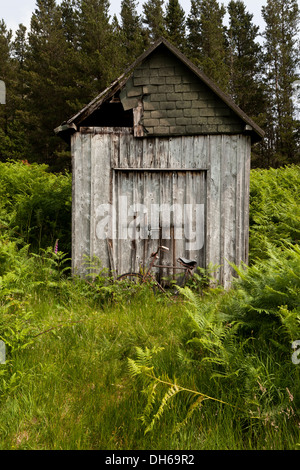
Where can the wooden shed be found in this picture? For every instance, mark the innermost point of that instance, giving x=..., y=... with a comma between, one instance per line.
x=162, y=156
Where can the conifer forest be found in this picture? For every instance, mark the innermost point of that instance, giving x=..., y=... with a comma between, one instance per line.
x=74, y=49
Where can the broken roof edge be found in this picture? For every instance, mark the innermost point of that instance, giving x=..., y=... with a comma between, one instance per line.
x=117, y=84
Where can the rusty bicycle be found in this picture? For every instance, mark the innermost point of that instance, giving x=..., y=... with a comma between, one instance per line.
x=186, y=265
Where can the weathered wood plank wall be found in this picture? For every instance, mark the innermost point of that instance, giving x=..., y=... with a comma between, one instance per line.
x=209, y=170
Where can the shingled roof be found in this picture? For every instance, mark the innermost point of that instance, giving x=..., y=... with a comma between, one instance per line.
x=72, y=124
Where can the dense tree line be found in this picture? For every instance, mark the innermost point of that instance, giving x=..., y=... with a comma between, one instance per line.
x=74, y=49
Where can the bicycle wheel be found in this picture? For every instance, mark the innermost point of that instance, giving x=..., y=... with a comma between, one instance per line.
x=130, y=279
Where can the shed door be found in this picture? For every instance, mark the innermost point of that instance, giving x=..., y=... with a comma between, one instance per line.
x=154, y=208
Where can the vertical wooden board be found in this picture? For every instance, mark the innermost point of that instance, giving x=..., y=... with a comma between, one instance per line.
x=165, y=198
x=146, y=197
x=233, y=146
x=134, y=149
x=200, y=228
x=76, y=152
x=137, y=218
x=122, y=202
x=247, y=145
x=125, y=190
x=187, y=160
x=115, y=151
x=86, y=195
x=190, y=195
x=204, y=201
x=240, y=159
x=121, y=232
x=151, y=201
x=81, y=203
x=138, y=246
x=175, y=148
x=187, y=201
x=137, y=149
x=178, y=200
x=228, y=213
x=124, y=149
x=149, y=150
x=176, y=221
x=201, y=152
x=213, y=241
x=191, y=200
x=101, y=207
x=223, y=195
x=162, y=153
x=207, y=255
x=93, y=185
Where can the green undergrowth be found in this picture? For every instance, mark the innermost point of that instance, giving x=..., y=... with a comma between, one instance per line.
x=89, y=365
x=274, y=209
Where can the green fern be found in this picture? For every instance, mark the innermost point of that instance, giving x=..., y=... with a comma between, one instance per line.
x=154, y=386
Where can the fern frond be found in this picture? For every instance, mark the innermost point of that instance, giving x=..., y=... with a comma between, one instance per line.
x=194, y=406
x=134, y=368
x=151, y=398
x=151, y=385
x=171, y=392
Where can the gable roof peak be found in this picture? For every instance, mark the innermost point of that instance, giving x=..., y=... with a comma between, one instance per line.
x=71, y=124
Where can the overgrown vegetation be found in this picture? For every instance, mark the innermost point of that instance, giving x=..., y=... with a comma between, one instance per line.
x=35, y=205
x=274, y=210
x=91, y=367
x=74, y=49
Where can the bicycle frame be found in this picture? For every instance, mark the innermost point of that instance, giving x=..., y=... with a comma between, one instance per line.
x=154, y=256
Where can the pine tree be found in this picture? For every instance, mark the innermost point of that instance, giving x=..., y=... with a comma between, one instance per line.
x=70, y=21
x=13, y=136
x=6, y=74
x=47, y=77
x=245, y=62
x=281, y=64
x=98, y=55
x=175, y=24
x=194, y=40
x=154, y=19
x=19, y=52
x=5, y=61
x=132, y=37
x=210, y=40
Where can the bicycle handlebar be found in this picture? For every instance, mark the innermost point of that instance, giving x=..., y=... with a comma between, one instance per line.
x=162, y=248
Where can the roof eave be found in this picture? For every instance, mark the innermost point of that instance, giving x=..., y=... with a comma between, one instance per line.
x=257, y=133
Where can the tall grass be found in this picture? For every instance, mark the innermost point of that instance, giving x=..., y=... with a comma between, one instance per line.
x=237, y=361
x=72, y=387
x=89, y=366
